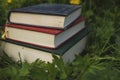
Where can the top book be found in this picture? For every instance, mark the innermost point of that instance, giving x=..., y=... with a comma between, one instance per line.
x=47, y=15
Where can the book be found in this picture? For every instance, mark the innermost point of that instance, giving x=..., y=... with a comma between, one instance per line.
x=45, y=37
x=30, y=53
x=46, y=15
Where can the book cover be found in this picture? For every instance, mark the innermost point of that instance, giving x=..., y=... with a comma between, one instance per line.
x=53, y=9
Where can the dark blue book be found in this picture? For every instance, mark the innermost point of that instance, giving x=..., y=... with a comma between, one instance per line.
x=46, y=15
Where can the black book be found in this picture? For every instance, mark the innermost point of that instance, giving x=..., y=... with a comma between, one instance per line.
x=46, y=15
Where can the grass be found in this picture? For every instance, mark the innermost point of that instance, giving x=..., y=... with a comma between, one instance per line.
x=102, y=55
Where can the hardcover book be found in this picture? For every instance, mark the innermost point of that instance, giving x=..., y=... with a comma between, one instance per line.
x=45, y=37
x=46, y=15
x=28, y=52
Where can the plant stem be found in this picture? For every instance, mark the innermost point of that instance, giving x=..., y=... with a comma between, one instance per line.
x=84, y=70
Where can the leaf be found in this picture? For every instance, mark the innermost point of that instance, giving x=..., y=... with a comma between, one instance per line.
x=24, y=71
x=89, y=13
x=52, y=71
x=98, y=67
x=63, y=69
x=37, y=73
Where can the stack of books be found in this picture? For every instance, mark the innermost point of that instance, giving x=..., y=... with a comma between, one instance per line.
x=40, y=31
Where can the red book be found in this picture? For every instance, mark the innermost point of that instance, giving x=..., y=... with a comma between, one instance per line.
x=44, y=37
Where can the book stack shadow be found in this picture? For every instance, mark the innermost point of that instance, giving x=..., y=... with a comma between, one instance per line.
x=44, y=30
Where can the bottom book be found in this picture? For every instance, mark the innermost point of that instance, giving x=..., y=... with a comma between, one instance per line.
x=30, y=53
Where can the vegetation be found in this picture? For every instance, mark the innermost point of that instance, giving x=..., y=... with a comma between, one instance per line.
x=100, y=60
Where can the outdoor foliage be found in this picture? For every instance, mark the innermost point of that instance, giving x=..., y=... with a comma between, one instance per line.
x=99, y=61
